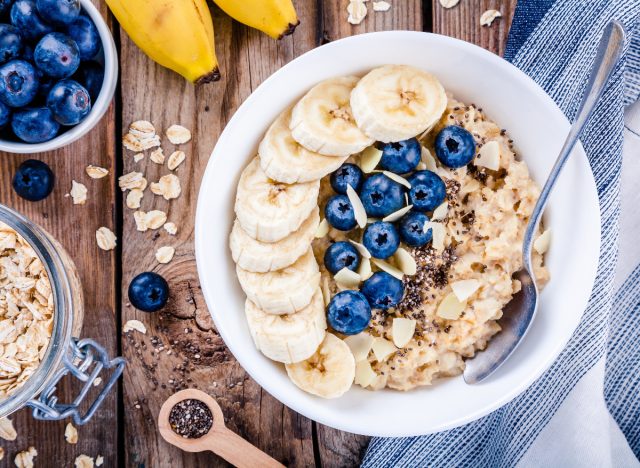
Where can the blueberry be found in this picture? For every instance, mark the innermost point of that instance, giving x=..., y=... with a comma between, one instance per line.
x=339, y=213
x=57, y=55
x=381, y=196
x=69, y=102
x=148, y=292
x=455, y=146
x=402, y=156
x=24, y=16
x=34, y=125
x=381, y=239
x=18, y=83
x=85, y=33
x=90, y=75
x=59, y=12
x=10, y=42
x=412, y=229
x=427, y=191
x=347, y=174
x=382, y=290
x=349, y=312
x=33, y=180
x=5, y=114
x=341, y=255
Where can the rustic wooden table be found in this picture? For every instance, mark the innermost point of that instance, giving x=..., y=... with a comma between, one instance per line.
x=124, y=429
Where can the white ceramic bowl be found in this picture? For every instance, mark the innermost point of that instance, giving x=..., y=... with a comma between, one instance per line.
x=538, y=127
x=99, y=107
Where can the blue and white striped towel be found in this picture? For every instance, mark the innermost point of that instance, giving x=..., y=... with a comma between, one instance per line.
x=585, y=410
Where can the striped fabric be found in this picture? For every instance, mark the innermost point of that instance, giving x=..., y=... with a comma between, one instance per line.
x=554, y=42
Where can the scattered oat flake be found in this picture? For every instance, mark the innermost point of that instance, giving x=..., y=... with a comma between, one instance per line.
x=71, y=434
x=488, y=16
x=175, y=159
x=381, y=6
x=78, y=193
x=357, y=11
x=1, y=453
x=157, y=156
x=7, y=431
x=141, y=136
x=154, y=219
x=132, y=180
x=105, y=238
x=25, y=459
x=177, y=134
x=138, y=157
x=142, y=128
x=140, y=218
x=136, y=325
x=133, y=198
x=99, y=460
x=96, y=172
x=84, y=461
x=165, y=254
x=449, y=3
x=171, y=228
x=168, y=187
x=97, y=381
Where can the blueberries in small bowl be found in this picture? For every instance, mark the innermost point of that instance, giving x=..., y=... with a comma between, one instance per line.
x=69, y=102
x=341, y=255
x=402, y=156
x=57, y=55
x=85, y=33
x=59, y=12
x=347, y=174
x=34, y=125
x=24, y=16
x=455, y=146
x=10, y=42
x=382, y=290
x=381, y=196
x=427, y=191
x=381, y=239
x=148, y=292
x=412, y=230
x=33, y=180
x=349, y=312
x=18, y=83
x=339, y=213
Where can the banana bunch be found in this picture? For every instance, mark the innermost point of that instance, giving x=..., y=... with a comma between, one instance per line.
x=178, y=34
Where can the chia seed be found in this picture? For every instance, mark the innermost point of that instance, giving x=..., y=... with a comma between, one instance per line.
x=190, y=418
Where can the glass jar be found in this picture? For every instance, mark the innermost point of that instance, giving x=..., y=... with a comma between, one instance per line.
x=66, y=353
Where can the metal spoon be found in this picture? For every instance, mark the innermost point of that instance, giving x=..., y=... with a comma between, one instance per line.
x=519, y=313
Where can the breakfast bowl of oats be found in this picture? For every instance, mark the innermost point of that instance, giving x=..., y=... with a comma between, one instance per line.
x=362, y=243
x=41, y=314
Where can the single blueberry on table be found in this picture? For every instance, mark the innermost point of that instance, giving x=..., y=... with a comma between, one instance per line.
x=148, y=292
x=10, y=42
x=427, y=191
x=57, y=55
x=69, y=102
x=349, y=312
x=58, y=12
x=34, y=125
x=5, y=114
x=401, y=156
x=455, y=146
x=412, y=229
x=18, y=83
x=381, y=239
x=382, y=290
x=90, y=75
x=339, y=213
x=381, y=196
x=33, y=180
x=347, y=174
x=341, y=255
x=85, y=33
x=24, y=16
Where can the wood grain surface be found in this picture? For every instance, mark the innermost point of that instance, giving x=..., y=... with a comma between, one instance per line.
x=181, y=348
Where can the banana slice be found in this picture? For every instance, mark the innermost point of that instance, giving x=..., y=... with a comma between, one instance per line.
x=268, y=210
x=288, y=338
x=322, y=120
x=259, y=257
x=329, y=373
x=283, y=159
x=396, y=102
x=284, y=291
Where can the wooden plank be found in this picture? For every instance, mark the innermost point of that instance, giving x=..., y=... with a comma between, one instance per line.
x=74, y=227
x=198, y=356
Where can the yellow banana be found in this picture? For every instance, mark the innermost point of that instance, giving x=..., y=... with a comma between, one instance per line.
x=277, y=18
x=177, y=34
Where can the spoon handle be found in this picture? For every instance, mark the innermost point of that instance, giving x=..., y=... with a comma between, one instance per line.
x=238, y=451
x=609, y=52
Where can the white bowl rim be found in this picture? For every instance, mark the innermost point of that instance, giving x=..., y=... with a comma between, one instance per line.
x=98, y=108
x=390, y=430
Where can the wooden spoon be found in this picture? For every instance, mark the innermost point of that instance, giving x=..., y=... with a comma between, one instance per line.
x=218, y=440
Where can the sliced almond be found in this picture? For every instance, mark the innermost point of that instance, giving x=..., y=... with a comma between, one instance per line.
x=364, y=270
x=347, y=278
x=360, y=345
x=133, y=199
x=381, y=6
x=541, y=244
x=78, y=193
x=358, y=207
x=323, y=229
x=440, y=212
x=382, y=348
x=384, y=266
x=396, y=178
x=488, y=17
x=157, y=156
x=405, y=261
x=165, y=254
x=464, y=289
x=175, y=159
x=177, y=134
x=136, y=325
x=362, y=250
x=71, y=434
x=402, y=330
x=489, y=156
x=96, y=172
x=450, y=308
x=105, y=238
x=395, y=216
x=428, y=160
x=171, y=228
x=365, y=375
x=369, y=159
x=438, y=234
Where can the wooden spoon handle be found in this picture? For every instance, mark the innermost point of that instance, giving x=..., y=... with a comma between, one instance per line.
x=238, y=451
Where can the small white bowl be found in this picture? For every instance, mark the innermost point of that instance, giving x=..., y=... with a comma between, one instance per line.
x=98, y=108
x=538, y=128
